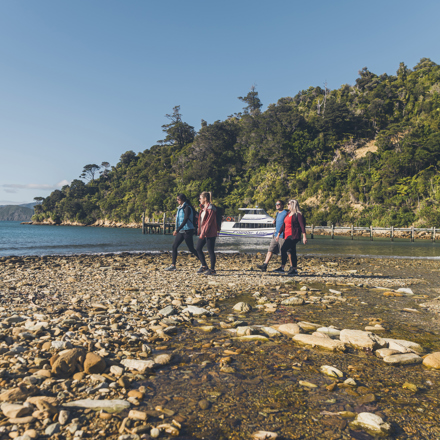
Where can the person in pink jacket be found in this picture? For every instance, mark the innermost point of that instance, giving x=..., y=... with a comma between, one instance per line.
x=208, y=232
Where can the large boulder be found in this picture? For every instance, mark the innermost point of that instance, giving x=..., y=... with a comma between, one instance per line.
x=68, y=362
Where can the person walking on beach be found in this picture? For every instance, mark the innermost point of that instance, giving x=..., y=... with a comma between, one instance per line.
x=185, y=228
x=294, y=225
x=275, y=245
x=209, y=229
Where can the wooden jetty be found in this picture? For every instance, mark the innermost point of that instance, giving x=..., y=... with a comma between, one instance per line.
x=166, y=226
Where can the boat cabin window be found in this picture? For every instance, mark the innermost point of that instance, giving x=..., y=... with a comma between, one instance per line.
x=252, y=225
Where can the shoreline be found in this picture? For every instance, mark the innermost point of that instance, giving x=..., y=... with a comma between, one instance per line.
x=381, y=233
x=116, y=347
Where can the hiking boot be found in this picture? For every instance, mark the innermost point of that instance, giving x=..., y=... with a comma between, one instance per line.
x=210, y=272
x=292, y=272
x=262, y=267
x=279, y=270
x=171, y=268
x=202, y=269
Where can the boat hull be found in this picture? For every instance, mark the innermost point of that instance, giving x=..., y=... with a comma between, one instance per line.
x=227, y=230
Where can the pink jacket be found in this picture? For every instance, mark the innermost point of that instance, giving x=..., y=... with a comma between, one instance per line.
x=208, y=226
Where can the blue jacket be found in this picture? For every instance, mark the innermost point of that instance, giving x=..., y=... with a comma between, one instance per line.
x=184, y=218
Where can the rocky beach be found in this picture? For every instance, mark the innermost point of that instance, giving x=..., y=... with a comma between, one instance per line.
x=95, y=346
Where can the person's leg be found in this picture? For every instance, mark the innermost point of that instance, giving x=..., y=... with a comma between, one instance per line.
x=293, y=257
x=284, y=248
x=200, y=243
x=177, y=242
x=268, y=257
x=211, y=245
x=189, y=235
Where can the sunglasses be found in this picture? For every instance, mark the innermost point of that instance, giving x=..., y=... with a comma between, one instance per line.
x=277, y=204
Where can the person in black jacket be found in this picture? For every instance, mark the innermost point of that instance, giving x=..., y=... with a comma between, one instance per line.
x=185, y=228
x=293, y=227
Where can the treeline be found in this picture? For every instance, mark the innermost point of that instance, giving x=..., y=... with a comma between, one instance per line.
x=363, y=154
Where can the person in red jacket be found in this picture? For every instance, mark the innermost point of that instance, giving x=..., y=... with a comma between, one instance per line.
x=208, y=232
x=293, y=227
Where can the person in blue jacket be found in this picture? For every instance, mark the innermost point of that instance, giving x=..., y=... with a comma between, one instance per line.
x=185, y=228
x=275, y=246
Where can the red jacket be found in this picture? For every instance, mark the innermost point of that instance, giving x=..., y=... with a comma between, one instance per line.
x=208, y=226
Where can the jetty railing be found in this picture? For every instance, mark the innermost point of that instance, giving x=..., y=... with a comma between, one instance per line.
x=166, y=225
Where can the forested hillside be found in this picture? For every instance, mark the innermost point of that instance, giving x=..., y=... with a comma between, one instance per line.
x=364, y=154
x=15, y=213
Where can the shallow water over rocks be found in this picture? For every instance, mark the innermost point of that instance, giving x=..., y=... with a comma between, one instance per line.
x=119, y=328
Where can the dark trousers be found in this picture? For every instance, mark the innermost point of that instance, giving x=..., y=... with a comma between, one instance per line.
x=210, y=242
x=188, y=237
x=289, y=245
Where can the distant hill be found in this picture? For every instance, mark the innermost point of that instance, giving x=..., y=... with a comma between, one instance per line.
x=29, y=205
x=15, y=213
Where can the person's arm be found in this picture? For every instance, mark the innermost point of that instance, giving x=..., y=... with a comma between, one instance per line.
x=303, y=227
x=187, y=213
x=280, y=232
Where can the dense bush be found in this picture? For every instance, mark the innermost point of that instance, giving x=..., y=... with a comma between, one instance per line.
x=306, y=146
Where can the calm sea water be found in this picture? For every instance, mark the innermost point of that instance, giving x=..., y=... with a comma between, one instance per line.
x=17, y=239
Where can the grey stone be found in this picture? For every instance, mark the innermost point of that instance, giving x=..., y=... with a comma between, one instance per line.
x=403, y=359
x=52, y=429
x=194, y=310
x=371, y=423
x=139, y=365
x=167, y=311
x=109, y=406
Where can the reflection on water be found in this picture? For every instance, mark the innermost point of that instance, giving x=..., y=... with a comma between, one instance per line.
x=16, y=239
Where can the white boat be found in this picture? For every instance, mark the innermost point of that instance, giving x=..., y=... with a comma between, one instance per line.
x=256, y=223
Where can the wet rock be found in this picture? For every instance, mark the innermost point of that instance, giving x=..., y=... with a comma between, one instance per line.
x=361, y=340
x=293, y=301
x=162, y=359
x=308, y=327
x=154, y=432
x=384, y=352
x=327, y=344
x=331, y=371
x=271, y=332
x=244, y=330
x=432, y=361
x=138, y=415
x=204, y=404
x=290, y=329
x=252, y=338
x=264, y=435
x=330, y=331
x=397, y=344
x=403, y=359
x=242, y=307
x=110, y=406
x=371, y=423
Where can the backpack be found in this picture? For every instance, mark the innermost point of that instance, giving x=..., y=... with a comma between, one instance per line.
x=195, y=218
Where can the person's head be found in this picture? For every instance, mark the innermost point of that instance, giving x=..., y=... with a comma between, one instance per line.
x=205, y=197
x=279, y=205
x=181, y=199
x=294, y=206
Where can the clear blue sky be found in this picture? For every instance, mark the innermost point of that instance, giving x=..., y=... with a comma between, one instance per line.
x=84, y=81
